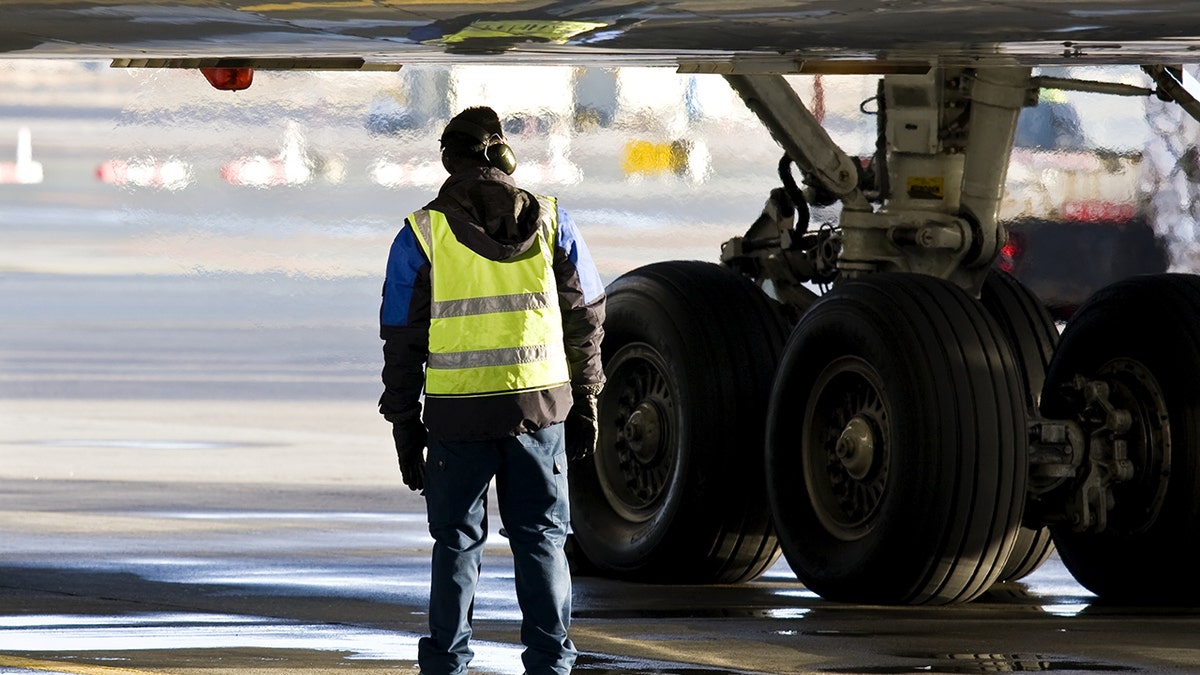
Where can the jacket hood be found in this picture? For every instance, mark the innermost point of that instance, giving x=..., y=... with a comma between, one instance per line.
x=488, y=213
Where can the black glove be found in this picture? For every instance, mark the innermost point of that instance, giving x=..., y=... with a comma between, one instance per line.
x=581, y=427
x=410, y=436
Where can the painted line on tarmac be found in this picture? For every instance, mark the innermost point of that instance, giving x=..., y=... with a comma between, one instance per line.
x=73, y=668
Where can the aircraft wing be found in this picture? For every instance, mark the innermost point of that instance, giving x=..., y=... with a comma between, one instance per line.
x=749, y=36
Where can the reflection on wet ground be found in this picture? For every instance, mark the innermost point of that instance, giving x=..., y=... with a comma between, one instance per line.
x=984, y=663
x=85, y=637
x=84, y=633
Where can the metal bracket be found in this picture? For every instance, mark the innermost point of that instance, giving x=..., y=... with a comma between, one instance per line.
x=1094, y=452
x=771, y=251
x=1056, y=452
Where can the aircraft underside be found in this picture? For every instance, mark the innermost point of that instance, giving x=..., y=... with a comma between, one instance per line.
x=918, y=433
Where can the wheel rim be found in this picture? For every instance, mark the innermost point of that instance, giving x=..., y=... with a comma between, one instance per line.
x=635, y=463
x=846, y=448
x=1135, y=389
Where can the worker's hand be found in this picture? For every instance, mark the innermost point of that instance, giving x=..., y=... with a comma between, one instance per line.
x=581, y=427
x=410, y=437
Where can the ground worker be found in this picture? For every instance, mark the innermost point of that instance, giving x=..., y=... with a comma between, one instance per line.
x=493, y=306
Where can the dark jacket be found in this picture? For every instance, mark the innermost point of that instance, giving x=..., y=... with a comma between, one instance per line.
x=497, y=220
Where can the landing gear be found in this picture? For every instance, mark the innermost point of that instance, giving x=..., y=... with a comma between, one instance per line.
x=674, y=490
x=917, y=441
x=1140, y=340
x=896, y=444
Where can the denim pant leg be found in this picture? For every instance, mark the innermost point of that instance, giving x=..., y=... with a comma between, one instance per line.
x=457, y=478
x=532, y=488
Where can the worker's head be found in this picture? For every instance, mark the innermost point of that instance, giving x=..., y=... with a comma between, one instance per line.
x=473, y=137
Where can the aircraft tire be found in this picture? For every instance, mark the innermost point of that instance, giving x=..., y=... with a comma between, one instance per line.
x=1033, y=337
x=917, y=387
x=1033, y=547
x=1142, y=336
x=674, y=492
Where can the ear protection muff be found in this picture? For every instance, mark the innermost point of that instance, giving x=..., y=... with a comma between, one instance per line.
x=494, y=149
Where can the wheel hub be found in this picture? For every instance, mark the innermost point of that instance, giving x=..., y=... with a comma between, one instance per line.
x=846, y=452
x=643, y=432
x=635, y=464
x=856, y=447
x=1139, y=500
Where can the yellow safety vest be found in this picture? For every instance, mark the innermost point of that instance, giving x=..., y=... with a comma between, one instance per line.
x=495, y=326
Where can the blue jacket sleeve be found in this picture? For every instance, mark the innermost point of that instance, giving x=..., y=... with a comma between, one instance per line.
x=404, y=326
x=581, y=300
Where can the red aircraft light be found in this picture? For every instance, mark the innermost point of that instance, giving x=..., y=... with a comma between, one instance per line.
x=1011, y=252
x=229, y=79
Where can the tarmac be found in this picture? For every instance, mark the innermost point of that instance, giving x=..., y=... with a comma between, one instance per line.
x=227, y=536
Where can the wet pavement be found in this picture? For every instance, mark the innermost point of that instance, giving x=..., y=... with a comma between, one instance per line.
x=234, y=537
x=193, y=479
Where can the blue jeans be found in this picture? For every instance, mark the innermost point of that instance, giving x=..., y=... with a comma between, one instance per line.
x=531, y=488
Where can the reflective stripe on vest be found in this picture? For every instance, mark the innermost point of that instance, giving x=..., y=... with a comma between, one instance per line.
x=495, y=326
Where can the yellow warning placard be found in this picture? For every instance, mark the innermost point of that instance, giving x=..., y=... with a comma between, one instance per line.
x=557, y=32
x=926, y=187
